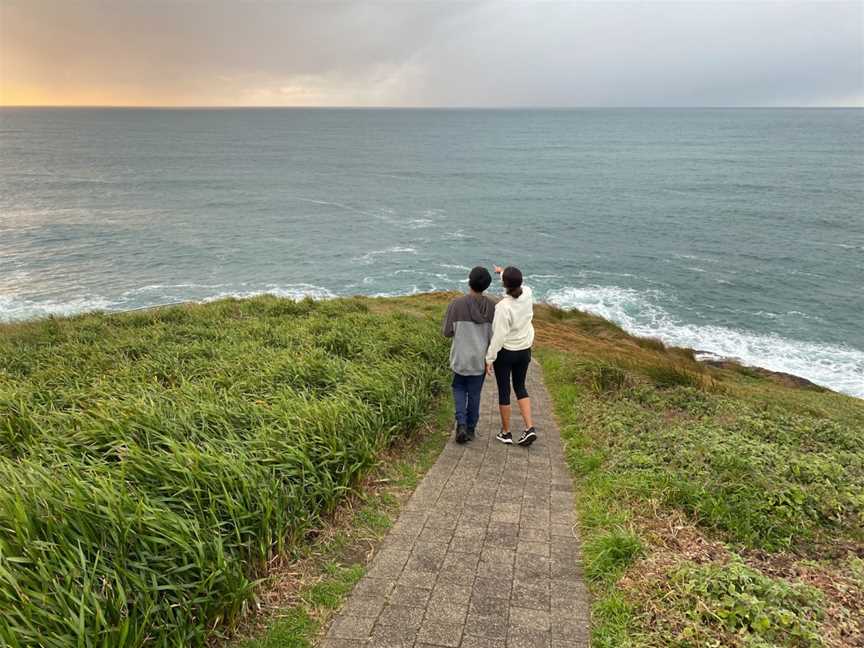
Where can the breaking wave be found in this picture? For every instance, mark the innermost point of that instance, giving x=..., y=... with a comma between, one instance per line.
x=640, y=312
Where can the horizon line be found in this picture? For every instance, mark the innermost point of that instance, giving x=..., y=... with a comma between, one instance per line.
x=384, y=107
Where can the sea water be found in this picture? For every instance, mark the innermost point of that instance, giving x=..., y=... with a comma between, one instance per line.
x=735, y=232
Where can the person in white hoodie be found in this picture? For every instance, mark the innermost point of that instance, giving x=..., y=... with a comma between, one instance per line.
x=509, y=352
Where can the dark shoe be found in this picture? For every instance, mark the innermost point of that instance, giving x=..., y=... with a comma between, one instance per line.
x=461, y=434
x=471, y=433
x=528, y=437
x=505, y=437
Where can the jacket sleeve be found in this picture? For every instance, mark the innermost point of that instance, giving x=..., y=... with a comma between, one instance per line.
x=500, y=326
x=448, y=329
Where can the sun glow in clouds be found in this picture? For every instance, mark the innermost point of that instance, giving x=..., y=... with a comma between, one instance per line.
x=198, y=53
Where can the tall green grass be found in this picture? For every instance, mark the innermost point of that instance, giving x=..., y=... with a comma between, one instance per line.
x=153, y=462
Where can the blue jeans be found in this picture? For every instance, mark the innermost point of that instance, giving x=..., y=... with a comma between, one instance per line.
x=466, y=396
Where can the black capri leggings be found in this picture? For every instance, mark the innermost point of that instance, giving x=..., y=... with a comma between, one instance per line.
x=515, y=362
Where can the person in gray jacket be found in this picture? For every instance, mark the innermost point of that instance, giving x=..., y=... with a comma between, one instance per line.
x=469, y=322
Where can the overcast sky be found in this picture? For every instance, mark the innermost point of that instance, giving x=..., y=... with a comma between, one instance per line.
x=492, y=53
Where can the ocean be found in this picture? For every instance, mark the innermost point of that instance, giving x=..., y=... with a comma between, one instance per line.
x=735, y=232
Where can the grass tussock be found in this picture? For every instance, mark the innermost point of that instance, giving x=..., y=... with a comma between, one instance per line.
x=302, y=595
x=719, y=506
x=154, y=462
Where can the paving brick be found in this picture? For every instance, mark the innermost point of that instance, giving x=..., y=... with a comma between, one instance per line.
x=351, y=627
x=440, y=634
x=433, y=535
x=410, y=596
x=413, y=578
x=388, y=563
x=461, y=560
x=450, y=592
x=374, y=587
x=401, y=543
x=493, y=569
x=558, y=529
x=392, y=636
x=401, y=615
x=479, y=642
x=524, y=638
x=489, y=627
x=538, y=548
x=363, y=606
x=442, y=521
x=343, y=643
x=489, y=607
x=424, y=563
x=447, y=611
x=502, y=529
x=529, y=534
x=532, y=565
x=581, y=642
x=529, y=618
x=531, y=595
x=492, y=587
x=568, y=629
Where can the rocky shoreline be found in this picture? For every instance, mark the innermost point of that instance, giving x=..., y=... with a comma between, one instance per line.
x=791, y=380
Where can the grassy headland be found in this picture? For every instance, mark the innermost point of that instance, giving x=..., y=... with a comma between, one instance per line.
x=154, y=462
x=718, y=506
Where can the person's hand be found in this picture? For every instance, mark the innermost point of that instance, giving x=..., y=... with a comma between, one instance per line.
x=488, y=369
x=498, y=269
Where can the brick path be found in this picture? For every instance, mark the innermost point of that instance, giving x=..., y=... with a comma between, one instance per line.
x=484, y=555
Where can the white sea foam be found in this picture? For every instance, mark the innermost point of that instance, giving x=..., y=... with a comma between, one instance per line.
x=414, y=290
x=169, y=288
x=788, y=314
x=422, y=273
x=16, y=308
x=457, y=235
x=419, y=223
x=639, y=312
x=290, y=291
x=693, y=257
x=328, y=203
x=369, y=257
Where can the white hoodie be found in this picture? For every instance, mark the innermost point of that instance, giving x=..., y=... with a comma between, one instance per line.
x=512, y=328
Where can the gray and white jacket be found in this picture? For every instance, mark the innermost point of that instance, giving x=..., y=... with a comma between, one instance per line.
x=469, y=322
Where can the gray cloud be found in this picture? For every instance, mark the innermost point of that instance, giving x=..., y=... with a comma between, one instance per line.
x=432, y=53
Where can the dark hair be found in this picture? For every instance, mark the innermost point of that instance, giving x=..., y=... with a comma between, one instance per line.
x=512, y=280
x=479, y=279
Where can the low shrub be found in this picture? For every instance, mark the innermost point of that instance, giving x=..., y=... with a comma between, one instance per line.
x=742, y=604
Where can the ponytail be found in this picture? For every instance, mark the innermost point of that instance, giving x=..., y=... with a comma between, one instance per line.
x=512, y=280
